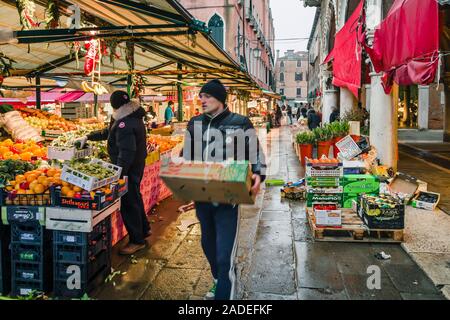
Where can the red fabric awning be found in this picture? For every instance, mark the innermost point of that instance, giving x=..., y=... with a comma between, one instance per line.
x=406, y=43
x=346, y=54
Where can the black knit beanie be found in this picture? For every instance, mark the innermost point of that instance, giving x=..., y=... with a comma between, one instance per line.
x=216, y=89
x=119, y=98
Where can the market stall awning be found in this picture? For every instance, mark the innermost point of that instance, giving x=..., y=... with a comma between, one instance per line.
x=406, y=43
x=346, y=54
x=89, y=98
x=169, y=43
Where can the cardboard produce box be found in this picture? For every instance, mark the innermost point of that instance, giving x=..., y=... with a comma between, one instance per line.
x=312, y=198
x=361, y=183
x=227, y=183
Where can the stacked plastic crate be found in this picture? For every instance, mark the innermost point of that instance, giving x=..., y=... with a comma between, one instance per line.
x=5, y=260
x=31, y=253
x=82, y=260
x=324, y=190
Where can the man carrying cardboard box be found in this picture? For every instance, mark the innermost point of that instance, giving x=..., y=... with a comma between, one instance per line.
x=218, y=135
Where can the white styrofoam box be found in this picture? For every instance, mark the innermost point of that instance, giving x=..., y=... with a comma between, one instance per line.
x=66, y=219
x=89, y=183
x=61, y=153
x=339, y=189
x=331, y=218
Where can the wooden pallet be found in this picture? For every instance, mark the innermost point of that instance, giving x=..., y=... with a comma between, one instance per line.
x=352, y=230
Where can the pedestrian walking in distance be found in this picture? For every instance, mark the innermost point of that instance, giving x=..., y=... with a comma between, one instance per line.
x=220, y=222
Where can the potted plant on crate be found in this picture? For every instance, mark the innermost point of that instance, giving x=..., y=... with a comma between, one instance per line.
x=340, y=130
x=324, y=140
x=305, y=141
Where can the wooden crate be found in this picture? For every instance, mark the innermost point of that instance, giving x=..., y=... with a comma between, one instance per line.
x=352, y=230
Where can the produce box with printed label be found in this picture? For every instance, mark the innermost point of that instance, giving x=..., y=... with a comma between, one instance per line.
x=312, y=198
x=210, y=182
x=382, y=212
x=361, y=183
x=350, y=197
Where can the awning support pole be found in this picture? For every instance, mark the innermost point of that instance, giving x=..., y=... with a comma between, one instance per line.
x=38, y=91
x=180, y=94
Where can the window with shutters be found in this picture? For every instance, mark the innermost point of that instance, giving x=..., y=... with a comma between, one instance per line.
x=281, y=77
x=298, y=76
x=299, y=92
x=216, y=26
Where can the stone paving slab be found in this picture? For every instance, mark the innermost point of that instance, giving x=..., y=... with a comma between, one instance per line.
x=273, y=268
x=437, y=266
x=446, y=291
x=133, y=284
x=270, y=296
x=276, y=215
x=356, y=288
x=410, y=279
x=301, y=230
x=316, y=266
x=321, y=294
x=173, y=284
x=421, y=296
x=427, y=231
x=188, y=255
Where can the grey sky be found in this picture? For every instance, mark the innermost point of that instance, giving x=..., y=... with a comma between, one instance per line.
x=291, y=20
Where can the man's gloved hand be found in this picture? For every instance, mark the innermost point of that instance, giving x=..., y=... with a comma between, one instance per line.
x=80, y=142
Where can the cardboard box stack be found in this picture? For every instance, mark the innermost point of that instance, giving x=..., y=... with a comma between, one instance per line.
x=324, y=179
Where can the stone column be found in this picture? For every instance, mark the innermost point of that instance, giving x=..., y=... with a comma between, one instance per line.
x=424, y=106
x=347, y=102
x=382, y=120
x=382, y=123
x=329, y=101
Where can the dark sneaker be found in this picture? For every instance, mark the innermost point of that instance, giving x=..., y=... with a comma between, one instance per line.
x=211, y=294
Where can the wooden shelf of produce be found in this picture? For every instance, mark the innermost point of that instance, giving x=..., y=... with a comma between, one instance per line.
x=352, y=230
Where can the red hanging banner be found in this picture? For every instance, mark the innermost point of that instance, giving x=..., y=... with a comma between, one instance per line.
x=346, y=54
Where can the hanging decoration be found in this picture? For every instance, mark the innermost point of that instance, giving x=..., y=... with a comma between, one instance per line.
x=112, y=45
x=26, y=9
x=52, y=14
x=138, y=83
x=92, y=66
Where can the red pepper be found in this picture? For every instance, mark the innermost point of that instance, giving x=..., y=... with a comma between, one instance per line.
x=14, y=150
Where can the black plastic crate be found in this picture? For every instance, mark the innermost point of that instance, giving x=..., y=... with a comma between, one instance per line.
x=23, y=214
x=24, y=288
x=91, y=275
x=82, y=238
x=28, y=271
x=376, y=216
x=99, y=202
x=5, y=260
x=29, y=233
x=393, y=220
x=27, y=253
x=80, y=254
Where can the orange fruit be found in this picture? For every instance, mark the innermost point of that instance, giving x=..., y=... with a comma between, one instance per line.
x=9, y=188
x=20, y=178
x=29, y=192
x=77, y=189
x=15, y=157
x=20, y=191
x=70, y=194
x=42, y=180
x=38, y=188
x=65, y=184
x=31, y=177
x=65, y=190
x=51, y=172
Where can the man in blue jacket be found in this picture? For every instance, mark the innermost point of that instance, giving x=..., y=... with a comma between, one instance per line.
x=168, y=114
x=214, y=136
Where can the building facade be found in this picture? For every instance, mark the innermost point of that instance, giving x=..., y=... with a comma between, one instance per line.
x=291, y=76
x=244, y=29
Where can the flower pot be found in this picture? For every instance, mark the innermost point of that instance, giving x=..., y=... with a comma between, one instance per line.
x=306, y=150
x=323, y=148
x=335, y=149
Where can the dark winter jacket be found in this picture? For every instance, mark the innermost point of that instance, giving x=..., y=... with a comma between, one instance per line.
x=127, y=139
x=224, y=133
x=334, y=116
x=313, y=120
